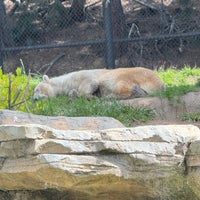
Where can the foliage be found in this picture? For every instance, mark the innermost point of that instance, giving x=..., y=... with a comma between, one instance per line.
x=15, y=90
x=191, y=117
x=184, y=76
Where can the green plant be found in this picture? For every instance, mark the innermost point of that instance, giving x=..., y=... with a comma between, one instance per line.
x=15, y=90
x=184, y=76
x=195, y=117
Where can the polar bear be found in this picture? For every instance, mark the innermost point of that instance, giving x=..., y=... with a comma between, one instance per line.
x=118, y=83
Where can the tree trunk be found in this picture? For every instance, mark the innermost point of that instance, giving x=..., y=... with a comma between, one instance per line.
x=2, y=21
x=77, y=10
x=5, y=39
x=119, y=27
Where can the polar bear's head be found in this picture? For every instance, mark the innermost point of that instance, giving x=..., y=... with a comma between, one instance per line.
x=44, y=89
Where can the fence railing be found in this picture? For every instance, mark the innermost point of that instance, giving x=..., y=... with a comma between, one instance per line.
x=117, y=33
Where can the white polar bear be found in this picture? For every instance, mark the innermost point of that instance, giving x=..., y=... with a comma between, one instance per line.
x=119, y=83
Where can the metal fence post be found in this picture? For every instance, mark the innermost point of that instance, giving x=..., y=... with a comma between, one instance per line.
x=1, y=50
x=107, y=14
x=1, y=57
x=2, y=18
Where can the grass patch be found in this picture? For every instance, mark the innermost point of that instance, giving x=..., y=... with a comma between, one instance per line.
x=179, y=82
x=194, y=117
x=63, y=106
x=185, y=76
x=176, y=91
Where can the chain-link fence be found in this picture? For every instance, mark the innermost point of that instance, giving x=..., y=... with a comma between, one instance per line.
x=57, y=36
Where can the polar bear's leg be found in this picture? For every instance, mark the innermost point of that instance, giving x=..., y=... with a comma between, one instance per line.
x=124, y=90
x=119, y=90
x=88, y=87
x=73, y=94
x=137, y=91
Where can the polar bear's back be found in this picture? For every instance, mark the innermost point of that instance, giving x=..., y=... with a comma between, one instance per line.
x=122, y=81
x=78, y=76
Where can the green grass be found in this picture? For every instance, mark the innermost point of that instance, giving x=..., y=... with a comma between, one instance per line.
x=194, y=117
x=186, y=76
x=63, y=106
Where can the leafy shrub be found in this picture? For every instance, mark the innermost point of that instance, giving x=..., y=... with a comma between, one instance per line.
x=15, y=90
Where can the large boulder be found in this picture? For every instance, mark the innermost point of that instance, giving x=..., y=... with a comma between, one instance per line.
x=166, y=109
x=147, y=162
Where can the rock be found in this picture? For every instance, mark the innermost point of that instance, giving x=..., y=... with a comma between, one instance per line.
x=62, y=123
x=190, y=102
x=192, y=157
x=147, y=162
x=166, y=109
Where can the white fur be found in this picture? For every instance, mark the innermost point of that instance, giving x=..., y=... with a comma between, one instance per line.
x=80, y=83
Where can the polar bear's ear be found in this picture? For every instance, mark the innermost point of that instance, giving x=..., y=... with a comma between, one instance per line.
x=45, y=78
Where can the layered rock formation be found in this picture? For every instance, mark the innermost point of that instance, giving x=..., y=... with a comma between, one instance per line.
x=147, y=162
